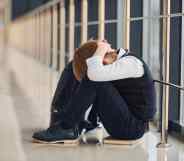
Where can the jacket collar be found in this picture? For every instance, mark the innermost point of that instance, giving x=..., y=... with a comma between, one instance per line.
x=121, y=52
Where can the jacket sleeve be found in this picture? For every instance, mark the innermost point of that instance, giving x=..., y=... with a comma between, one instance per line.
x=126, y=67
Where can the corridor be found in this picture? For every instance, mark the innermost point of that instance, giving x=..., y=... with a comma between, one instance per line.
x=26, y=90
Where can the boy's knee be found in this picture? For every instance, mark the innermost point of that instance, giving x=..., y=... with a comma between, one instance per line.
x=105, y=88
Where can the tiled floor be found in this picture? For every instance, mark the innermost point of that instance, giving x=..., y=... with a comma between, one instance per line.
x=26, y=88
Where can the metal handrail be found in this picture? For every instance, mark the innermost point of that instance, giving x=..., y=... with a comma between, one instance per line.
x=38, y=9
x=169, y=84
x=164, y=130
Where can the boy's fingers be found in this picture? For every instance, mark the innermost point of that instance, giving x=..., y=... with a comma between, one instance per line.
x=105, y=45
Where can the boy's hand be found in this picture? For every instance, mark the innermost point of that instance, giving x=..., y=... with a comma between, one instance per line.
x=102, y=49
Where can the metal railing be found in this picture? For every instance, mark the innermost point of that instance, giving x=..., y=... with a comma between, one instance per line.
x=164, y=125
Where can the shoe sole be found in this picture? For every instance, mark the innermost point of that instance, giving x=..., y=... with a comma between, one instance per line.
x=112, y=141
x=62, y=142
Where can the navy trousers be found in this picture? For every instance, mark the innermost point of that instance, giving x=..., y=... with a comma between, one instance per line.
x=108, y=104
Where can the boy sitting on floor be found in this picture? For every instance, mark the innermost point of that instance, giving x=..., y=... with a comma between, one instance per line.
x=116, y=83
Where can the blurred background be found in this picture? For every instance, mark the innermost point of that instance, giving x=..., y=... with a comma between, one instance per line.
x=46, y=32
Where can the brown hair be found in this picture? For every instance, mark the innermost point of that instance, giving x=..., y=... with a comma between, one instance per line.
x=81, y=54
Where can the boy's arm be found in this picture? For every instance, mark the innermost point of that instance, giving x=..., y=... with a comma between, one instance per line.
x=127, y=67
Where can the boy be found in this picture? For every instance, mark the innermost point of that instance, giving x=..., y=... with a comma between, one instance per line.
x=118, y=85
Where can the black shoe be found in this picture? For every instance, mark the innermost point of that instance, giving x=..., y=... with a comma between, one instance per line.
x=56, y=134
x=87, y=125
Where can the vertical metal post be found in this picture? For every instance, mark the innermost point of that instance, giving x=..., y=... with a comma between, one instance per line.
x=39, y=40
x=51, y=37
x=62, y=35
x=41, y=37
x=36, y=36
x=126, y=26
x=48, y=36
x=7, y=19
x=120, y=23
x=71, y=28
x=166, y=57
x=84, y=24
x=44, y=37
x=55, y=36
x=101, y=11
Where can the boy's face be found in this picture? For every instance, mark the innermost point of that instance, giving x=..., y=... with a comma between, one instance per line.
x=110, y=57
